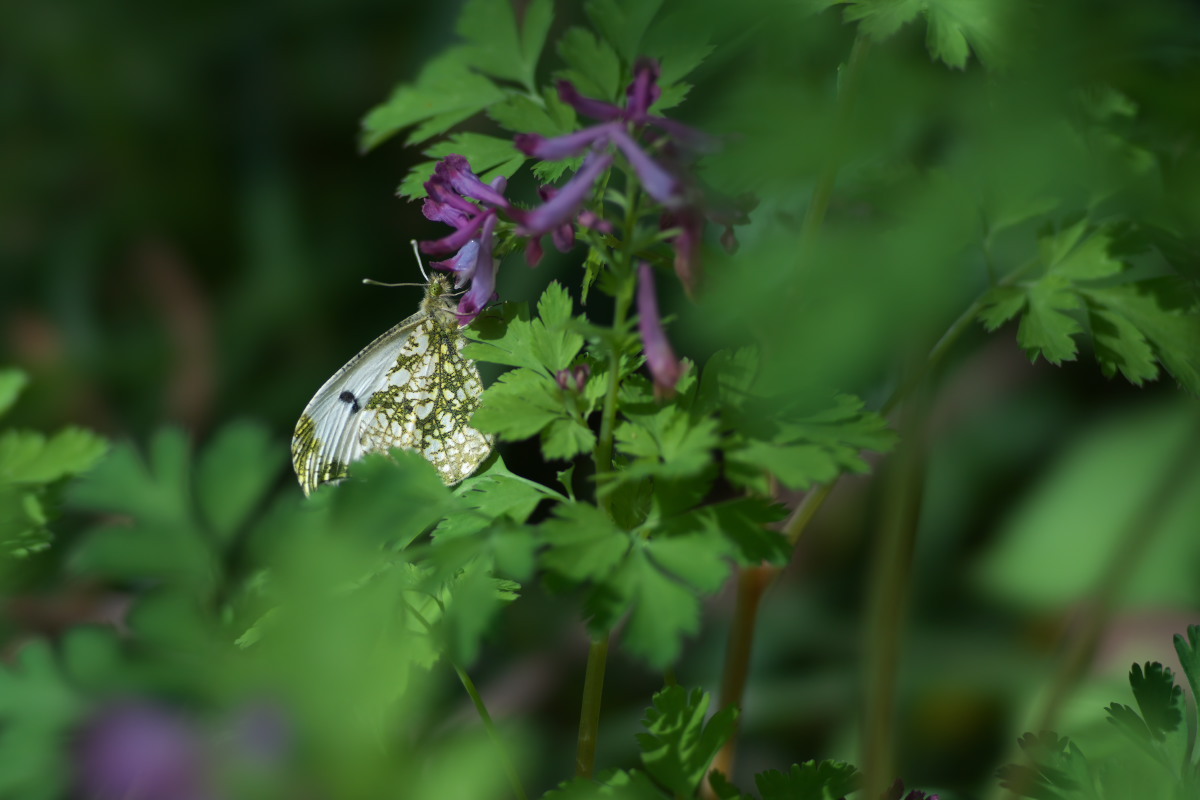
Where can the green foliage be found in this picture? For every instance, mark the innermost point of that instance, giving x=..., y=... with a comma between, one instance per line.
x=33, y=470
x=1134, y=325
x=679, y=744
x=1058, y=770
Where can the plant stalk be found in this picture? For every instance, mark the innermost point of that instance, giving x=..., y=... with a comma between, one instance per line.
x=589, y=714
x=510, y=770
x=891, y=570
x=593, y=679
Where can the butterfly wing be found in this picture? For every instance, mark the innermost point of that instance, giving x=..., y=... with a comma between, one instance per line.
x=329, y=434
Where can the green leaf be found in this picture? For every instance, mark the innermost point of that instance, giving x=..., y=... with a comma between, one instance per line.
x=235, y=474
x=1174, y=333
x=957, y=27
x=1088, y=260
x=668, y=444
x=723, y=789
x=582, y=543
x=523, y=114
x=880, y=19
x=593, y=65
x=164, y=540
x=1131, y=725
x=12, y=383
x=547, y=344
x=1000, y=305
x=567, y=437
x=1158, y=698
x=488, y=156
x=808, y=781
x=631, y=785
x=38, y=708
x=446, y=92
x=497, y=47
x=679, y=744
x=743, y=523
x=1047, y=329
x=662, y=610
x=27, y=457
x=814, y=448
x=623, y=23
x=1189, y=657
x=1057, y=765
x=1119, y=345
x=518, y=405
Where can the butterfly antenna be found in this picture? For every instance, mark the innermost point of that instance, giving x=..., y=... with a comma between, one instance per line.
x=417, y=253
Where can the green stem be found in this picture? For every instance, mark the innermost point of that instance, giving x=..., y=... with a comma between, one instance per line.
x=509, y=769
x=589, y=713
x=480, y=708
x=593, y=679
x=847, y=95
x=891, y=568
x=750, y=591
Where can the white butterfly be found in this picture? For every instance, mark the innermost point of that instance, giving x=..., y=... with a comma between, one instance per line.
x=410, y=388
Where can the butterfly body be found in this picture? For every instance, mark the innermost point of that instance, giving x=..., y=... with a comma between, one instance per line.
x=410, y=388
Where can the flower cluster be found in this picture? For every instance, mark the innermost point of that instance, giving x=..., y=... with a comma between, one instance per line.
x=657, y=149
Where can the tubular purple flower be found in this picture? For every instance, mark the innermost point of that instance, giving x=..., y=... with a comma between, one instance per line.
x=483, y=282
x=589, y=107
x=462, y=264
x=567, y=146
x=533, y=251
x=458, y=239
x=446, y=203
x=643, y=92
x=455, y=171
x=564, y=205
x=589, y=219
x=658, y=183
x=665, y=368
x=687, y=246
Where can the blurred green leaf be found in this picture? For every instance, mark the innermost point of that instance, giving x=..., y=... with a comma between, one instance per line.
x=12, y=382
x=811, y=780
x=1056, y=541
x=37, y=710
x=623, y=23
x=233, y=475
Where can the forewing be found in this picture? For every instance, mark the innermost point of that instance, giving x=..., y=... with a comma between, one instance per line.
x=329, y=433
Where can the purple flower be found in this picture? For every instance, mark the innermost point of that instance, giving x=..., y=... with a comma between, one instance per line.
x=896, y=792
x=475, y=227
x=614, y=129
x=138, y=751
x=565, y=202
x=572, y=379
x=665, y=368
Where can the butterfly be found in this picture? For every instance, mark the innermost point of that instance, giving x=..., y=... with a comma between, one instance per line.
x=411, y=388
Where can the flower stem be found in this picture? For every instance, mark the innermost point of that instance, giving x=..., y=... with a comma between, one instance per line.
x=589, y=713
x=891, y=568
x=593, y=679
x=510, y=770
x=750, y=591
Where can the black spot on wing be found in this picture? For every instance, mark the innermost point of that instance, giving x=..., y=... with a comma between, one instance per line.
x=348, y=397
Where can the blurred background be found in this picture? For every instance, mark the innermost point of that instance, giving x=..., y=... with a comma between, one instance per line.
x=185, y=220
